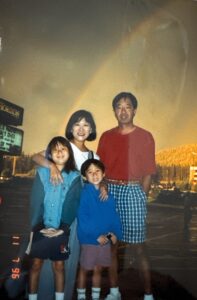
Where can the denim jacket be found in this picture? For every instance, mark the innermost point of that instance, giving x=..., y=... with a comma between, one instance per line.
x=54, y=205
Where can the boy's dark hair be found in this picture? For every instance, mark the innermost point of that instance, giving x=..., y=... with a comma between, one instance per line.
x=70, y=163
x=124, y=95
x=93, y=161
x=77, y=117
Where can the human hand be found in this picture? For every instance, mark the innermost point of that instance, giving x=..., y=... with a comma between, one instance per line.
x=102, y=239
x=112, y=237
x=103, y=191
x=55, y=175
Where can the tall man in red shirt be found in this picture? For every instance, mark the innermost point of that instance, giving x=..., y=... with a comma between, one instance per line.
x=128, y=153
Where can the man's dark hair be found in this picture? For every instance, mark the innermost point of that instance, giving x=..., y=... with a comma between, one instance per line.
x=93, y=161
x=124, y=95
x=77, y=116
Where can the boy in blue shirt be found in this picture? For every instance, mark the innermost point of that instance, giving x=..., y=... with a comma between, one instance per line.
x=98, y=226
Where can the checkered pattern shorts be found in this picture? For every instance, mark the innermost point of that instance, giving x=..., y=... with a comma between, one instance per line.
x=131, y=206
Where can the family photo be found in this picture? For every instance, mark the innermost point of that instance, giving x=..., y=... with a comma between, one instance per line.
x=98, y=150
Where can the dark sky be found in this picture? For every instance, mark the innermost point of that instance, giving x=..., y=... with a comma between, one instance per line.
x=60, y=56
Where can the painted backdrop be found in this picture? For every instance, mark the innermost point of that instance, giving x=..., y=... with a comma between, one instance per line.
x=60, y=56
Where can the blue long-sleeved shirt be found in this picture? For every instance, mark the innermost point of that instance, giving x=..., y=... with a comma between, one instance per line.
x=96, y=217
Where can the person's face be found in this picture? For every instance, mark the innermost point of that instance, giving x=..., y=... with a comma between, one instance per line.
x=81, y=130
x=124, y=111
x=60, y=155
x=94, y=175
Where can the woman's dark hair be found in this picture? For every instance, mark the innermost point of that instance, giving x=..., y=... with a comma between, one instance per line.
x=124, y=95
x=93, y=161
x=77, y=117
x=70, y=163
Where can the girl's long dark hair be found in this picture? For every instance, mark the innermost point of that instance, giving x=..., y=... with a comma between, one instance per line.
x=70, y=163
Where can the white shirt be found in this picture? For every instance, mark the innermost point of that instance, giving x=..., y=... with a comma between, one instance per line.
x=81, y=156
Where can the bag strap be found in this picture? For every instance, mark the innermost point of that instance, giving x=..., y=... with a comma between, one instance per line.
x=90, y=154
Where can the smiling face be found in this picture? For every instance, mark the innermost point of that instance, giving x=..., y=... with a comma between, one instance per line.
x=94, y=175
x=60, y=155
x=81, y=130
x=124, y=112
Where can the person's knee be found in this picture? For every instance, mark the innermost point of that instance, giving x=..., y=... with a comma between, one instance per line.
x=36, y=266
x=140, y=251
x=82, y=272
x=142, y=256
x=97, y=270
x=58, y=267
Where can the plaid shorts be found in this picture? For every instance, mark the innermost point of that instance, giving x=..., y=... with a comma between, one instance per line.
x=131, y=206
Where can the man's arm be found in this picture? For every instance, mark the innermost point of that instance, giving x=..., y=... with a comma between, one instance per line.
x=146, y=183
x=150, y=163
x=101, y=148
x=55, y=174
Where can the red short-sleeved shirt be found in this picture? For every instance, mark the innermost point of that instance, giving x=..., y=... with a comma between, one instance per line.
x=127, y=156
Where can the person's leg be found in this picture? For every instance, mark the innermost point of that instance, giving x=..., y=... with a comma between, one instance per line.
x=81, y=281
x=58, y=269
x=113, y=269
x=113, y=275
x=144, y=268
x=96, y=277
x=81, y=284
x=96, y=283
x=34, y=278
x=137, y=236
x=72, y=263
x=59, y=274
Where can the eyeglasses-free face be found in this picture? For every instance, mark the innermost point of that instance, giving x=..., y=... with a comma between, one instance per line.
x=81, y=130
